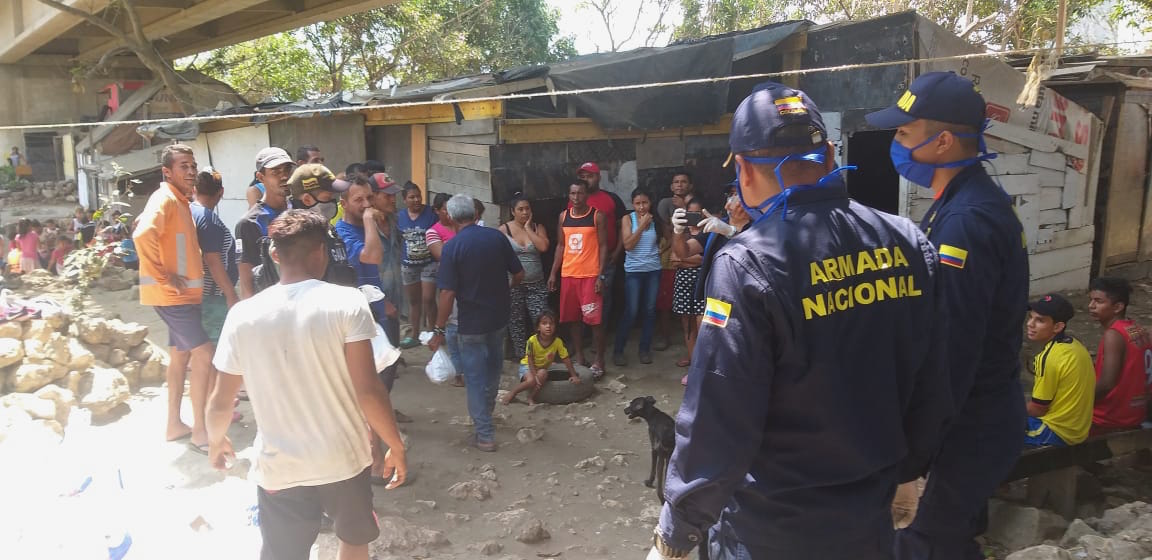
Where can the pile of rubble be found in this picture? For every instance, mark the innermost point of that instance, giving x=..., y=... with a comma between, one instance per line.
x=1121, y=533
x=46, y=191
x=49, y=366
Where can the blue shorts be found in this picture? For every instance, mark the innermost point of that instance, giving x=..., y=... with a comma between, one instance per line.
x=185, y=325
x=1039, y=434
x=523, y=371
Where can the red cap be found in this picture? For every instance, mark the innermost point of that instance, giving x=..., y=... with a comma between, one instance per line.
x=590, y=167
x=382, y=183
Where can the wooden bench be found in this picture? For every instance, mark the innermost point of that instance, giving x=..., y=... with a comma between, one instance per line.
x=1051, y=471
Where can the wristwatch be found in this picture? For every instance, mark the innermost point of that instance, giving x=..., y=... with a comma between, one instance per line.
x=665, y=550
x=438, y=331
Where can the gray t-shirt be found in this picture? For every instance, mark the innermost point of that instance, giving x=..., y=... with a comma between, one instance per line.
x=665, y=207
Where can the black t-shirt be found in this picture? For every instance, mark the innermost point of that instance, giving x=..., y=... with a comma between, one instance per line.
x=251, y=228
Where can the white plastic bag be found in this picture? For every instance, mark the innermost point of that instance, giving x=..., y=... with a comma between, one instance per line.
x=386, y=354
x=439, y=368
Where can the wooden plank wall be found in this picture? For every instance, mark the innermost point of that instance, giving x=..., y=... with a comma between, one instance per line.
x=1055, y=197
x=459, y=162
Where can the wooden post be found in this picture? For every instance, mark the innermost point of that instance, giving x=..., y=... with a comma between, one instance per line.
x=1061, y=23
x=420, y=157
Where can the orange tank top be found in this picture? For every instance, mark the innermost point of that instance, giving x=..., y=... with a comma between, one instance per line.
x=581, y=245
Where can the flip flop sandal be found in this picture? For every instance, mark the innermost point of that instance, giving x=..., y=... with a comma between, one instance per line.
x=597, y=372
x=201, y=449
x=409, y=342
x=684, y=381
x=684, y=362
x=458, y=382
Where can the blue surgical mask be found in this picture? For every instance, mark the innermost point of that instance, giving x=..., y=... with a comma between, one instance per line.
x=780, y=200
x=922, y=173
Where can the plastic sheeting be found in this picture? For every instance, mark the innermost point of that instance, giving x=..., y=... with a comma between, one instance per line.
x=655, y=107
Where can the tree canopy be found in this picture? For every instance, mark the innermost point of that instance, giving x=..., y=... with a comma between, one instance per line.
x=1003, y=24
x=403, y=43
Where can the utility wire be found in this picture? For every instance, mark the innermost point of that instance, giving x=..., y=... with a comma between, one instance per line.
x=586, y=91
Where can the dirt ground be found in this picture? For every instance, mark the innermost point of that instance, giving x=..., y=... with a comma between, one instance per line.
x=175, y=506
x=588, y=512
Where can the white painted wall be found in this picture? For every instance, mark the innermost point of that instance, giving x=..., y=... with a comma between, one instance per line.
x=233, y=154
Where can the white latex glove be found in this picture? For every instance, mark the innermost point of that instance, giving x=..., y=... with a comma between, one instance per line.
x=712, y=224
x=679, y=220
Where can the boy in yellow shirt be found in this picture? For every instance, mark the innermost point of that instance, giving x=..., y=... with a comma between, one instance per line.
x=540, y=353
x=1060, y=410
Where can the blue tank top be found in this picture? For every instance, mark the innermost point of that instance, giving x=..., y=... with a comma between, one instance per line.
x=645, y=256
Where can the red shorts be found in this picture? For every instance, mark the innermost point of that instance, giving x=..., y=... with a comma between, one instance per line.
x=667, y=289
x=579, y=301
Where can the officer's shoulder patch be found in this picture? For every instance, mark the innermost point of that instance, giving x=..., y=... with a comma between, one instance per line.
x=953, y=256
x=716, y=313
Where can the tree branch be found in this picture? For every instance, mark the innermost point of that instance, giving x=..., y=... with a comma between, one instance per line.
x=968, y=29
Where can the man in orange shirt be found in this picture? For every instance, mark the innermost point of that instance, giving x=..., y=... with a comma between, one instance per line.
x=582, y=256
x=171, y=281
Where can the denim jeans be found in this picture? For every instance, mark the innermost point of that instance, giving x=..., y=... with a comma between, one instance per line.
x=640, y=291
x=482, y=358
x=452, y=341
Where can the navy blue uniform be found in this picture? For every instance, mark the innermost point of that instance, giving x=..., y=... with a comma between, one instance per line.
x=815, y=387
x=984, y=282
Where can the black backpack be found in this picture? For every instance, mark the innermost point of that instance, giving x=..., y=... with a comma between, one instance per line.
x=339, y=270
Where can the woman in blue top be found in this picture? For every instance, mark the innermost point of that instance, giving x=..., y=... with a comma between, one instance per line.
x=640, y=233
x=418, y=270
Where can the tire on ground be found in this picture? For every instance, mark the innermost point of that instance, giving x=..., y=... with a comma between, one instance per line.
x=558, y=390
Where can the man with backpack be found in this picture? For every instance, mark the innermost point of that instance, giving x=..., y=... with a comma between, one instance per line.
x=273, y=168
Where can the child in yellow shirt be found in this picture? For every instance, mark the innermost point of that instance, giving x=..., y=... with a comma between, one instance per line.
x=540, y=353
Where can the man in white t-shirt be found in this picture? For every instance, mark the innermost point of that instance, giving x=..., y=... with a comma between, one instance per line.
x=314, y=394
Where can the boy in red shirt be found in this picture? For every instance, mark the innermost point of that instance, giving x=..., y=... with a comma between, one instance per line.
x=1123, y=359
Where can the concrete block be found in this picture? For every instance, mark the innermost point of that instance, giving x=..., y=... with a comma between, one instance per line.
x=1011, y=164
x=1049, y=160
x=1028, y=210
x=1072, y=280
x=1004, y=147
x=1074, y=185
x=1050, y=177
x=1020, y=184
x=1053, y=217
x=1052, y=198
x=1057, y=261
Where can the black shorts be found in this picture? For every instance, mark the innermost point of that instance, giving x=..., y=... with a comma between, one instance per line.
x=290, y=518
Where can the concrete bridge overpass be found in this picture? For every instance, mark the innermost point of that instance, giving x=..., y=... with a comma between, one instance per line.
x=183, y=27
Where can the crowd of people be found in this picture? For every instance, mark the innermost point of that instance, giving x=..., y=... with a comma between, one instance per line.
x=36, y=245
x=836, y=354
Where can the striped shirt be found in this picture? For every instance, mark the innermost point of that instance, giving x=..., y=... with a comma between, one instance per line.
x=214, y=237
x=645, y=255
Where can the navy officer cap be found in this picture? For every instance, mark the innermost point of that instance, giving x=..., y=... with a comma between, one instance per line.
x=937, y=96
x=774, y=116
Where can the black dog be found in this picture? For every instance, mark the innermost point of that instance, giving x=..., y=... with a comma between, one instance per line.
x=662, y=433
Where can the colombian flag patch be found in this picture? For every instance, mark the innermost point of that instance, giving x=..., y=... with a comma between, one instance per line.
x=716, y=313
x=790, y=106
x=953, y=256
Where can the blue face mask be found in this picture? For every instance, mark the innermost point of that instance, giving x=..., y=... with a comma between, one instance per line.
x=921, y=173
x=780, y=201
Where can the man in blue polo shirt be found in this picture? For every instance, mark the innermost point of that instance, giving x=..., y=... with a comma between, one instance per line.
x=939, y=145
x=818, y=385
x=474, y=270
